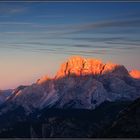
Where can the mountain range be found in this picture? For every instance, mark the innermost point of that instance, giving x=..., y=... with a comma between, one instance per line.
x=85, y=92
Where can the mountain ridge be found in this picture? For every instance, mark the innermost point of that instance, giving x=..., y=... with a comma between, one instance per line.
x=79, y=83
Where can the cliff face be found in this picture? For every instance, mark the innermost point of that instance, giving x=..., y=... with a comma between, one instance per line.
x=135, y=74
x=86, y=66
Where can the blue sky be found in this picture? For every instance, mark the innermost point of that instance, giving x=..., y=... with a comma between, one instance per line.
x=36, y=37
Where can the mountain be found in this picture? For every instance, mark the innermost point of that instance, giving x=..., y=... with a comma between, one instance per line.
x=4, y=94
x=69, y=86
x=80, y=85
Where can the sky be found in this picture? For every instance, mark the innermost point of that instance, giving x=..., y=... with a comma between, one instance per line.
x=36, y=37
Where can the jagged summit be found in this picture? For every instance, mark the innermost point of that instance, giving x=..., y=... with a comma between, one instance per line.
x=78, y=65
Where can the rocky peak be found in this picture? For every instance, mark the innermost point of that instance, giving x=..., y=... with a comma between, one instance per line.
x=42, y=80
x=78, y=65
x=135, y=74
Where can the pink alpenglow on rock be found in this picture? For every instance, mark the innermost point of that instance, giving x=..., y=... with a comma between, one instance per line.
x=42, y=80
x=80, y=66
x=135, y=74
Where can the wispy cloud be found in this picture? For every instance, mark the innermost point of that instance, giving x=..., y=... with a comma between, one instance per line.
x=95, y=39
x=57, y=31
x=10, y=10
x=17, y=10
x=54, y=50
x=124, y=43
x=79, y=28
x=105, y=24
x=50, y=16
x=62, y=29
x=15, y=23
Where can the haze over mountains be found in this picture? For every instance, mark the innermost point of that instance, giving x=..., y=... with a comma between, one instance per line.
x=80, y=83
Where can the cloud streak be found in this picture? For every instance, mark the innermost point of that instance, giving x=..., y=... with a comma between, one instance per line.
x=11, y=9
x=16, y=23
x=56, y=50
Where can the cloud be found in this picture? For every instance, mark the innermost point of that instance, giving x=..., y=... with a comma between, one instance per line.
x=54, y=50
x=95, y=39
x=94, y=25
x=124, y=43
x=75, y=52
x=59, y=30
x=15, y=32
x=106, y=24
x=111, y=40
x=114, y=23
x=64, y=45
x=17, y=10
x=33, y=43
x=62, y=29
x=50, y=16
x=11, y=9
x=55, y=32
x=15, y=23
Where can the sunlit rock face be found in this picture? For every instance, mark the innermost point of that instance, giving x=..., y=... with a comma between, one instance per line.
x=135, y=74
x=86, y=66
x=80, y=82
x=42, y=80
